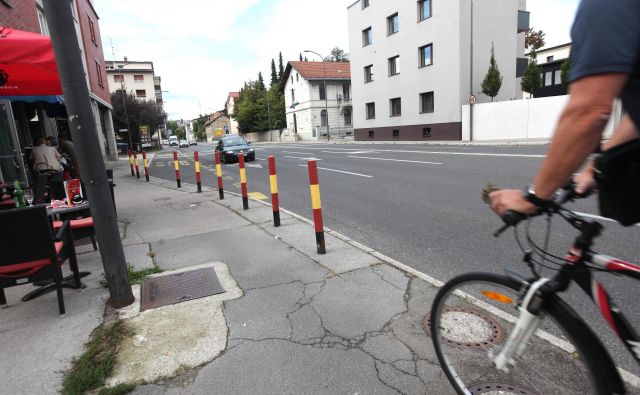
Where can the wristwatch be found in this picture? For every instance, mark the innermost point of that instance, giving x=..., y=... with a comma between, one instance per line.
x=530, y=195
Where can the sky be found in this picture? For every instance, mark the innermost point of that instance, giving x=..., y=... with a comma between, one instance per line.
x=204, y=49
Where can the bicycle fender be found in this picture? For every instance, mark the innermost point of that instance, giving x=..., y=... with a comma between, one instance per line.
x=596, y=349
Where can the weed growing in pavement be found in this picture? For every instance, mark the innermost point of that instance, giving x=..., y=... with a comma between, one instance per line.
x=135, y=276
x=89, y=371
x=119, y=389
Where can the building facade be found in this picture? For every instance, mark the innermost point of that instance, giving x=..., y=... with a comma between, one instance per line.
x=230, y=107
x=414, y=64
x=311, y=109
x=217, y=125
x=550, y=61
x=29, y=15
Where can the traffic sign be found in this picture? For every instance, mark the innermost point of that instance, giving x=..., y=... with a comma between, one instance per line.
x=472, y=99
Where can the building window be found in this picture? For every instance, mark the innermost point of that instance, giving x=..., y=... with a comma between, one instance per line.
x=323, y=91
x=426, y=132
x=346, y=91
x=392, y=24
x=292, y=79
x=371, y=110
x=557, y=77
x=44, y=28
x=548, y=78
x=138, y=78
x=365, y=4
x=426, y=55
x=119, y=78
x=424, y=9
x=367, y=37
x=347, y=117
x=368, y=73
x=99, y=71
x=394, y=65
x=396, y=133
x=297, y=77
x=92, y=30
x=323, y=118
x=549, y=58
x=141, y=93
x=293, y=94
x=371, y=134
x=426, y=102
x=395, y=107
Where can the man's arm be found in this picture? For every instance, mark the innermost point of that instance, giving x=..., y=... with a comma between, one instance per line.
x=577, y=134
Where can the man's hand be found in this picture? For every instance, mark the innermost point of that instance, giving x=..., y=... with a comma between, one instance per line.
x=510, y=199
x=584, y=180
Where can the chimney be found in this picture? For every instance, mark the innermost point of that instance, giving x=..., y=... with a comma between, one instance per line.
x=125, y=59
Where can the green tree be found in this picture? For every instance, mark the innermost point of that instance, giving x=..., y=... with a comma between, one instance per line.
x=565, y=72
x=139, y=113
x=493, y=80
x=531, y=80
x=274, y=74
x=301, y=56
x=181, y=133
x=337, y=55
x=280, y=67
x=199, y=131
x=534, y=39
x=172, y=126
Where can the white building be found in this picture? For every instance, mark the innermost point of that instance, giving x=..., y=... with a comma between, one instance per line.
x=414, y=64
x=305, y=102
x=230, y=106
x=136, y=77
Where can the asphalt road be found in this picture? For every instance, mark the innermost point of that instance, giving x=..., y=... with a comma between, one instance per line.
x=421, y=205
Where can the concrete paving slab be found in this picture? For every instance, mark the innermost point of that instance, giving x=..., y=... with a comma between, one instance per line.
x=340, y=256
x=138, y=255
x=37, y=343
x=255, y=257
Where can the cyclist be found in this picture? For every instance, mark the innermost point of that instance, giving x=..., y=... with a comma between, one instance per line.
x=605, y=60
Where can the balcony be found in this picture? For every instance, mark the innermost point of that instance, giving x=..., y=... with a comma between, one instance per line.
x=344, y=102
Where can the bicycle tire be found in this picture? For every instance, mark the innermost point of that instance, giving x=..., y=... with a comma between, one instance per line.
x=467, y=326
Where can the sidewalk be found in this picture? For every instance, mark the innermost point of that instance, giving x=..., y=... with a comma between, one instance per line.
x=344, y=322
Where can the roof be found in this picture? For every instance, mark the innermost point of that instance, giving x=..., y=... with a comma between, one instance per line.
x=317, y=70
x=235, y=95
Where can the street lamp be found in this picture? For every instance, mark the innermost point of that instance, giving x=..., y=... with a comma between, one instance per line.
x=326, y=91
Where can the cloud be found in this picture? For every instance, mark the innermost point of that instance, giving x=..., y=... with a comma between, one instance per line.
x=554, y=17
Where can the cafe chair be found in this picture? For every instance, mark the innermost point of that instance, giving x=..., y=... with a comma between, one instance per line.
x=40, y=189
x=80, y=229
x=30, y=253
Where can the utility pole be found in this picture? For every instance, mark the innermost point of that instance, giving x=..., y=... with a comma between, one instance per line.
x=85, y=137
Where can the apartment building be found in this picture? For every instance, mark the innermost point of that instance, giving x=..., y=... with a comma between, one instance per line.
x=137, y=77
x=550, y=61
x=311, y=108
x=415, y=63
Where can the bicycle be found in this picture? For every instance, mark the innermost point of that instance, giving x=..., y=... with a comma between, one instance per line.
x=547, y=348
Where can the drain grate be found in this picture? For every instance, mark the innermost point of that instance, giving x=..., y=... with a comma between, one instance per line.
x=178, y=287
x=499, y=388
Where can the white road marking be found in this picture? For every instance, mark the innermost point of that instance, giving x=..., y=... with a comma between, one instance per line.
x=352, y=150
x=396, y=160
x=341, y=171
x=260, y=159
x=256, y=165
x=298, y=157
x=296, y=152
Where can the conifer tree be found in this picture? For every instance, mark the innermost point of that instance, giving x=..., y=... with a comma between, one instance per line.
x=280, y=68
x=274, y=74
x=493, y=80
x=531, y=80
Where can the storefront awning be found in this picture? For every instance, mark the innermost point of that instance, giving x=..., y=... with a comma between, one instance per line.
x=52, y=99
x=27, y=64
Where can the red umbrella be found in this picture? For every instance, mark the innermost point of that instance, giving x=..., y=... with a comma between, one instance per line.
x=27, y=64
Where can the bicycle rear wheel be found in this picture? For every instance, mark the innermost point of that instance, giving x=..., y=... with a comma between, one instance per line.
x=471, y=319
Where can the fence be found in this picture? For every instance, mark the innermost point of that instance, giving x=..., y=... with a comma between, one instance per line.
x=339, y=132
x=258, y=137
x=528, y=119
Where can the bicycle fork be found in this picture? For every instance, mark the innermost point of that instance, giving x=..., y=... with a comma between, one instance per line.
x=526, y=325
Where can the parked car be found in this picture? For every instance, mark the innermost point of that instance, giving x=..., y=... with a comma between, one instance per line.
x=231, y=146
x=173, y=140
x=165, y=142
x=193, y=142
x=183, y=143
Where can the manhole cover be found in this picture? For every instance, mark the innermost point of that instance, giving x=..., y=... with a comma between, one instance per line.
x=498, y=388
x=178, y=287
x=467, y=328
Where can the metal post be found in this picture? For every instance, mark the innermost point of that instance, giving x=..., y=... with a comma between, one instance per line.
x=126, y=113
x=471, y=77
x=85, y=136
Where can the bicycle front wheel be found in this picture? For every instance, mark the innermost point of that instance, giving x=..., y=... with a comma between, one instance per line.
x=471, y=319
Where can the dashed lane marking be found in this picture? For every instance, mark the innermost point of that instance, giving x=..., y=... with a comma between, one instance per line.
x=342, y=171
x=257, y=195
x=396, y=160
x=301, y=158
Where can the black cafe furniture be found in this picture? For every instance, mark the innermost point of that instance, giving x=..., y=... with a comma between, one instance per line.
x=31, y=253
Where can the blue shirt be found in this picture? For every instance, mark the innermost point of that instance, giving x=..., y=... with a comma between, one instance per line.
x=606, y=39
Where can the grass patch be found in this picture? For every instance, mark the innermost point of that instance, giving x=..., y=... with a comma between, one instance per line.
x=135, y=276
x=90, y=370
x=119, y=389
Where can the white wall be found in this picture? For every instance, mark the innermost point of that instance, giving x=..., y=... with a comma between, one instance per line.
x=533, y=119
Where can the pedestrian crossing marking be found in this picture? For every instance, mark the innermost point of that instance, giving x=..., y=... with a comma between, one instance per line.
x=257, y=196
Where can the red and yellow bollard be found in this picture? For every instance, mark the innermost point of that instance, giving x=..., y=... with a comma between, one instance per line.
x=275, y=202
x=145, y=163
x=176, y=166
x=130, y=162
x=219, y=174
x=135, y=160
x=243, y=182
x=317, y=207
x=196, y=159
